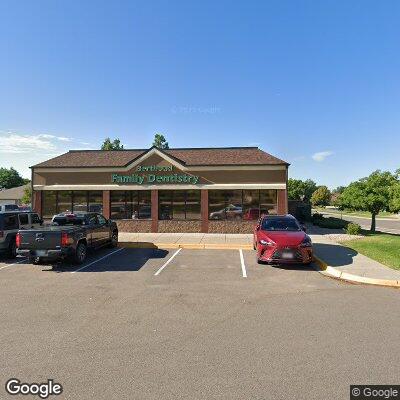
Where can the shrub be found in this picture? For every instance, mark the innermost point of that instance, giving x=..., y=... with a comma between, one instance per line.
x=331, y=223
x=353, y=229
x=317, y=217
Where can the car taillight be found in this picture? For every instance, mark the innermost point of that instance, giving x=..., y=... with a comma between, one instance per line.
x=18, y=240
x=64, y=239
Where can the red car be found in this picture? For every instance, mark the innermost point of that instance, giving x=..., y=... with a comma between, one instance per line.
x=280, y=239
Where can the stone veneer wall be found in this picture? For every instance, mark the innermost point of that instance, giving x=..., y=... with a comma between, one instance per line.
x=133, y=225
x=231, y=226
x=179, y=226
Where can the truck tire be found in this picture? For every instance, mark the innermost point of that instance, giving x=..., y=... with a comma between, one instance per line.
x=80, y=253
x=114, y=240
x=12, y=249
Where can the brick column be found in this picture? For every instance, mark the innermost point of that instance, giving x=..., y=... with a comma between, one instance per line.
x=154, y=210
x=37, y=202
x=106, y=204
x=282, y=201
x=204, y=210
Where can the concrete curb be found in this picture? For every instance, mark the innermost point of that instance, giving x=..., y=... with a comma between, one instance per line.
x=326, y=270
x=192, y=246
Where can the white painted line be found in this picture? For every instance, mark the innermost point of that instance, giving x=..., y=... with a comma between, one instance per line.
x=10, y=265
x=95, y=261
x=244, y=273
x=169, y=260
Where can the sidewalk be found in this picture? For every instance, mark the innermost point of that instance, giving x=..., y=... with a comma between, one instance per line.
x=339, y=261
x=188, y=240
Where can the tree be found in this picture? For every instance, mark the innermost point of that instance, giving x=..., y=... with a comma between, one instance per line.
x=10, y=178
x=373, y=194
x=27, y=196
x=301, y=190
x=160, y=141
x=112, y=145
x=395, y=198
x=321, y=197
x=338, y=190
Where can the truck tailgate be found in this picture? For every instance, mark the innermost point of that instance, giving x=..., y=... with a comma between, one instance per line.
x=40, y=239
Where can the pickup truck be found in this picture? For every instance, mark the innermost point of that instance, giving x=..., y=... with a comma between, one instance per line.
x=69, y=236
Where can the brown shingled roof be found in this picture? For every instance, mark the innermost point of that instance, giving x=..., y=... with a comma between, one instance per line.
x=189, y=157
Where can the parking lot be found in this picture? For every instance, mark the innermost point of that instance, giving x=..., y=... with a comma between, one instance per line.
x=179, y=323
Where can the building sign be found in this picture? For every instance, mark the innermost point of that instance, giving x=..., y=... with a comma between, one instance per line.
x=151, y=178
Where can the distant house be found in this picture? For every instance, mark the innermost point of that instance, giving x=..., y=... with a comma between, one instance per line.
x=13, y=195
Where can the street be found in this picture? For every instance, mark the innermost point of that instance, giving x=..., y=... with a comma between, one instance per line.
x=382, y=224
x=193, y=324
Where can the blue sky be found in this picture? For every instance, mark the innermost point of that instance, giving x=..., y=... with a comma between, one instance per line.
x=313, y=82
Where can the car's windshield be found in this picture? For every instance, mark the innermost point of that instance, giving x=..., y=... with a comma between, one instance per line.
x=280, y=224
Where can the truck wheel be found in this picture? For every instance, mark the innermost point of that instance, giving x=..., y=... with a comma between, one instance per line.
x=114, y=240
x=12, y=249
x=80, y=254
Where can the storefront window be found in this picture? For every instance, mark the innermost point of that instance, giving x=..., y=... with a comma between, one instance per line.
x=234, y=202
x=80, y=201
x=132, y=204
x=118, y=204
x=55, y=202
x=64, y=201
x=165, y=204
x=179, y=204
x=236, y=205
x=144, y=204
x=49, y=203
x=251, y=202
x=268, y=202
x=96, y=201
x=216, y=204
x=193, y=205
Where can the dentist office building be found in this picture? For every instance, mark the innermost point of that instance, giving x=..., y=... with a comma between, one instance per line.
x=220, y=190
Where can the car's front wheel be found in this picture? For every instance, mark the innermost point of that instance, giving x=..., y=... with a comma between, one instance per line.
x=80, y=253
x=114, y=239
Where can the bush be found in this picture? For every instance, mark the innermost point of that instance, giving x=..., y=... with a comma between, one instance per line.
x=317, y=217
x=331, y=223
x=353, y=229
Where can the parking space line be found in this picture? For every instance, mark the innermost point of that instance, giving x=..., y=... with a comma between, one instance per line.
x=95, y=261
x=168, y=261
x=244, y=272
x=10, y=265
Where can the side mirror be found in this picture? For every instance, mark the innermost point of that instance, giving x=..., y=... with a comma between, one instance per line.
x=303, y=228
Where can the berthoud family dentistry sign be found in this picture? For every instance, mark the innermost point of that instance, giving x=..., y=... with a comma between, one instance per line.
x=147, y=177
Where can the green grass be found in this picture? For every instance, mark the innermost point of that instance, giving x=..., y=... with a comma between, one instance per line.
x=381, y=247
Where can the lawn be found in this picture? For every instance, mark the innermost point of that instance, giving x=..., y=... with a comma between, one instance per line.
x=381, y=247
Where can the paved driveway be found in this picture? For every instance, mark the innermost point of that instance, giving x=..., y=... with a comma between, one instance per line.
x=163, y=324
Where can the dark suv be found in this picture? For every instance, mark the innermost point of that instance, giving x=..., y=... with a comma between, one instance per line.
x=10, y=223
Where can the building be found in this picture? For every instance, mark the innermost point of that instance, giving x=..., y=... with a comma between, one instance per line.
x=13, y=195
x=176, y=190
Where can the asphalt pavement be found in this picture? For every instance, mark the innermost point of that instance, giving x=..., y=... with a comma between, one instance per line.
x=382, y=224
x=193, y=324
